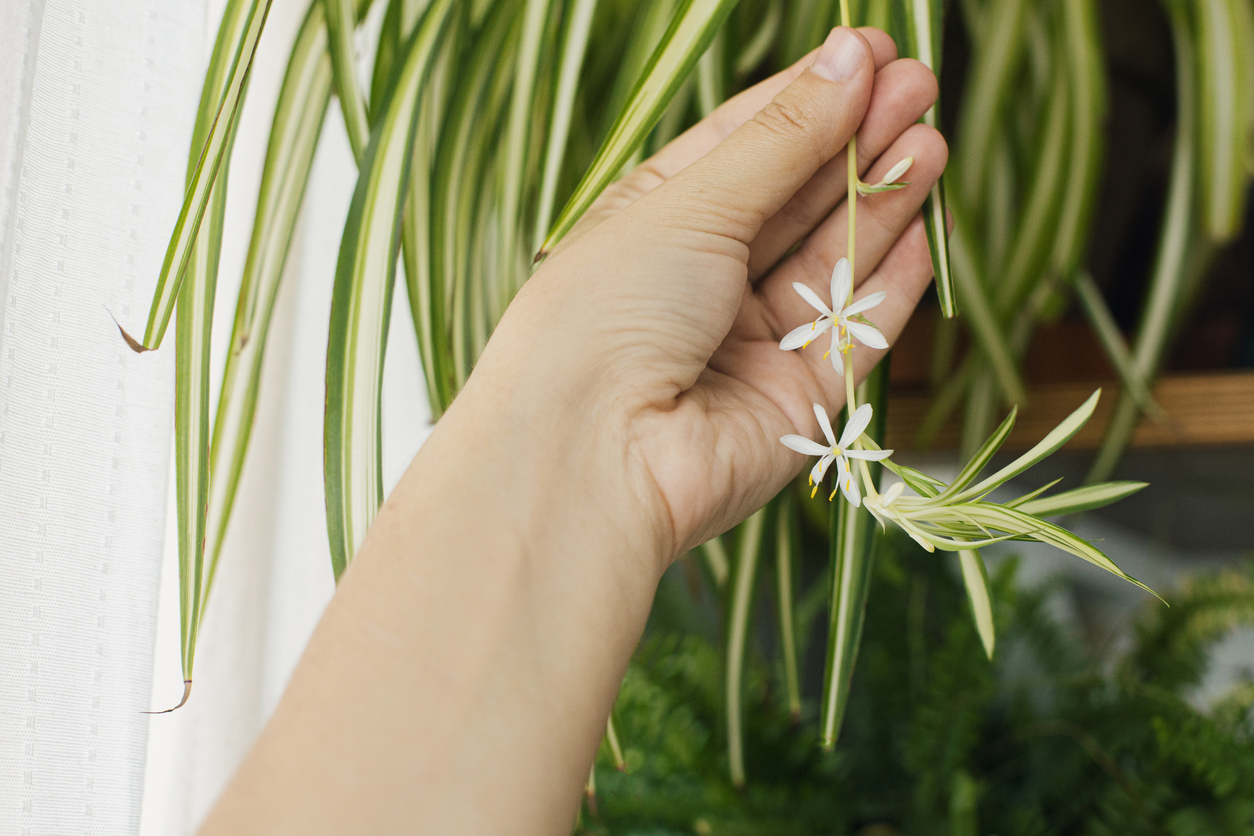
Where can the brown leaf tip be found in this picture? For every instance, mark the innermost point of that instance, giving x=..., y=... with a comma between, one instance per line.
x=136, y=346
x=187, y=692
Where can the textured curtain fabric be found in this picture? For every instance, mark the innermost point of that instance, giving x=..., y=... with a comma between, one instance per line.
x=97, y=99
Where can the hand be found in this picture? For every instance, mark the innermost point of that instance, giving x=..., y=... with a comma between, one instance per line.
x=659, y=318
x=628, y=406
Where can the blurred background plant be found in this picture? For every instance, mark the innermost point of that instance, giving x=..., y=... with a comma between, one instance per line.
x=483, y=128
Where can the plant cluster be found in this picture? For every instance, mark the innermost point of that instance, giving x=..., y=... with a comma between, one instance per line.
x=1049, y=738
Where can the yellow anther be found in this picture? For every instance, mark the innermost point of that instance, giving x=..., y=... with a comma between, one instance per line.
x=813, y=492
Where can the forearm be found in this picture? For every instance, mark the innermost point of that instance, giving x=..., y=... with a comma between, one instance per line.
x=460, y=679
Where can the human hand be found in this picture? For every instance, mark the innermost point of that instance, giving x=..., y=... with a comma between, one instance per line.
x=658, y=319
x=628, y=406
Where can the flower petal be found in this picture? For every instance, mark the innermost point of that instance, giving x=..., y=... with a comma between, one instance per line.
x=798, y=337
x=813, y=298
x=842, y=282
x=869, y=455
x=894, y=491
x=849, y=485
x=894, y=174
x=867, y=335
x=857, y=425
x=804, y=446
x=836, y=355
x=865, y=303
x=820, y=469
x=825, y=424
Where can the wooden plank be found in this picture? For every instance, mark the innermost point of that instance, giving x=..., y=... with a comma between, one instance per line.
x=1203, y=410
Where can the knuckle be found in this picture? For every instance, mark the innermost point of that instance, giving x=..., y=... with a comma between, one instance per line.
x=793, y=123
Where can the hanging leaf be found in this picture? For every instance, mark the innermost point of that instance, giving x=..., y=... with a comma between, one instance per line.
x=853, y=548
x=362, y=299
x=743, y=576
x=975, y=579
x=241, y=27
x=694, y=26
x=924, y=25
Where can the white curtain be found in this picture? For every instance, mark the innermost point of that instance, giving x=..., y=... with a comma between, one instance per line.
x=97, y=99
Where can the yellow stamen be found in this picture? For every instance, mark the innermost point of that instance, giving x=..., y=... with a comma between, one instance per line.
x=813, y=492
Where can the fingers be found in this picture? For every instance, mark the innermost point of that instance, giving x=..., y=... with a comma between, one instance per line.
x=882, y=218
x=903, y=92
x=735, y=188
x=704, y=136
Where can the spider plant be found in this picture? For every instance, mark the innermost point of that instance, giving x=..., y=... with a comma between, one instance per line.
x=490, y=126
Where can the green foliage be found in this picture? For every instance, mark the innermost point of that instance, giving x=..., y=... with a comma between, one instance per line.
x=1048, y=738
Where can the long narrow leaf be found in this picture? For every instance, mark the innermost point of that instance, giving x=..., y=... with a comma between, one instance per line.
x=298, y=118
x=975, y=579
x=691, y=31
x=462, y=167
x=1087, y=80
x=853, y=548
x=995, y=60
x=574, y=44
x=741, y=608
x=968, y=278
x=1168, y=280
x=1221, y=128
x=341, y=18
x=924, y=24
x=784, y=552
x=362, y=299
x=1057, y=437
x=981, y=457
x=1081, y=499
x=1112, y=341
x=238, y=36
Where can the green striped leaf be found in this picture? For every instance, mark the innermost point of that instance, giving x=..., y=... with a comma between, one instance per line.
x=461, y=172
x=996, y=57
x=1222, y=102
x=1112, y=341
x=241, y=27
x=854, y=534
x=362, y=299
x=981, y=457
x=924, y=24
x=341, y=17
x=1081, y=499
x=694, y=26
x=1171, y=261
x=1057, y=437
x=298, y=118
x=1087, y=83
x=429, y=297
x=742, y=584
x=975, y=579
x=981, y=321
x=575, y=31
x=784, y=552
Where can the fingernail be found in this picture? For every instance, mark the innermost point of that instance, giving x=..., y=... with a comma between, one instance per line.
x=842, y=55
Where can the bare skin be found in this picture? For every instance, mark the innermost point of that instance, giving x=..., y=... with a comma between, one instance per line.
x=627, y=408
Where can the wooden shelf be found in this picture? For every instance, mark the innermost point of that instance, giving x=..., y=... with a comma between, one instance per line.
x=1211, y=409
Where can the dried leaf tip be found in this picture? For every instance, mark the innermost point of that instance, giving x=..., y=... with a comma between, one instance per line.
x=136, y=345
x=187, y=692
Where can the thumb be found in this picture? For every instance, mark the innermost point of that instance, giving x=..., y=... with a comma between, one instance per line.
x=750, y=175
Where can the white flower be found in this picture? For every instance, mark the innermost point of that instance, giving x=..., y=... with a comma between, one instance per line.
x=839, y=452
x=846, y=319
